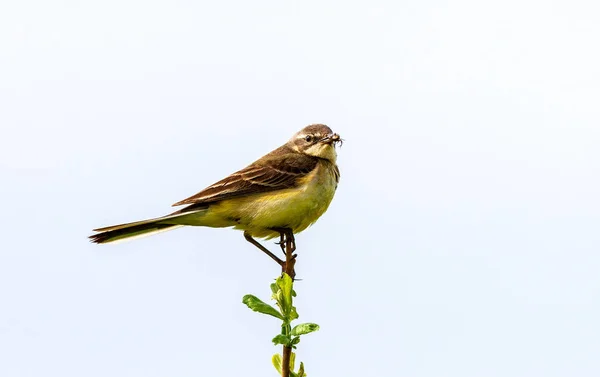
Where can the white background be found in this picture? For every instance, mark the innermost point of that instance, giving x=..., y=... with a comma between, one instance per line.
x=464, y=239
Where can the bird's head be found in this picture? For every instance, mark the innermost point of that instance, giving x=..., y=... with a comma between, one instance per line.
x=316, y=140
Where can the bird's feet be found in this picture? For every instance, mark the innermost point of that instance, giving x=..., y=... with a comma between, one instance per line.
x=281, y=242
x=286, y=235
x=288, y=266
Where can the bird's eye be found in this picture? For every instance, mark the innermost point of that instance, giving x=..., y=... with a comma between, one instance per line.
x=308, y=138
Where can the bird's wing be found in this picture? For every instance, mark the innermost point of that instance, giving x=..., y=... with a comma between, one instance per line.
x=278, y=172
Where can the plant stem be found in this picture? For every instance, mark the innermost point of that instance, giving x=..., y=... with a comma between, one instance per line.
x=285, y=361
x=290, y=261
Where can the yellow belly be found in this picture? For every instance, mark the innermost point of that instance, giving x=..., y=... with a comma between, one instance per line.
x=295, y=208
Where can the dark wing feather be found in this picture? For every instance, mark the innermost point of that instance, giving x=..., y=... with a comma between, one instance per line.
x=280, y=169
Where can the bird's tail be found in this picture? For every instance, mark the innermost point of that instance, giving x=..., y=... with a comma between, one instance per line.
x=186, y=216
x=142, y=228
x=130, y=231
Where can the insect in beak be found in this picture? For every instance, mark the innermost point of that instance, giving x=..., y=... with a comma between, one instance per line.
x=332, y=139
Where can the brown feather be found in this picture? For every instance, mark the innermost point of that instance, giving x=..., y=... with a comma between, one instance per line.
x=278, y=170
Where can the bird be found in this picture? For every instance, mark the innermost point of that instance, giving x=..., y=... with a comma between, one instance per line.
x=280, y=194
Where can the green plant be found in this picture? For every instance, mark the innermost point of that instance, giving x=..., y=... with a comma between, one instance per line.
x=283, y=294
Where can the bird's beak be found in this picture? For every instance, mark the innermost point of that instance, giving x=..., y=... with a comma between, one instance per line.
x=331, y=138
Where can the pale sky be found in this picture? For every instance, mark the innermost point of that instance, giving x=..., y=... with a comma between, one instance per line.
x=464, y=239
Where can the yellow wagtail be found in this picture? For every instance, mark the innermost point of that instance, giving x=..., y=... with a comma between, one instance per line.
x=280, y=194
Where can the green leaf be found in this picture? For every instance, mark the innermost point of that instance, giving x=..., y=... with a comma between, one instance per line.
x=304, y=328
x=257, y=305
x=295, y=340
x=277, y=296
x=301, y=370
x=274, y=288
x=292, y=360
x=284, y=282
x=282, y=339
x=293, y=314
x=276, y=360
